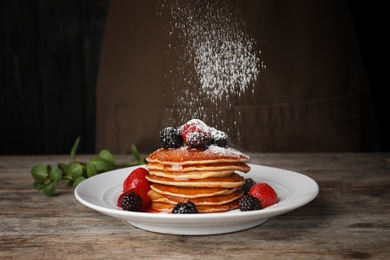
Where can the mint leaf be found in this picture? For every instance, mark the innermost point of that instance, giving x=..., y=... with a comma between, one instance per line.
x=40, y=171
x=38, y=185
x=55, y=174
x=101, y=165
x=74, y=170
x=77, y=181
x=107, y=155
x=49, y=190
x=74, y=148
x=135, y=152
x=90, y=170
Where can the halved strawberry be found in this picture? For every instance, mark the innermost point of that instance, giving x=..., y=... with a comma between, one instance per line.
x=265, y=194
x=137, y=179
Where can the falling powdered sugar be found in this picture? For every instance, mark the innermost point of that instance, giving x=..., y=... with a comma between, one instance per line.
x=215, y=59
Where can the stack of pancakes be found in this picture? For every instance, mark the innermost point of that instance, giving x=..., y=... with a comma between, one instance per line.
x=208, y=178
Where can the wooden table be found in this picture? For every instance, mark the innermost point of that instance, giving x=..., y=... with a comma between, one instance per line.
x=349, y=219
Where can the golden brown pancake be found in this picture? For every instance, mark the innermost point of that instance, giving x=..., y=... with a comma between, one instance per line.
x=166, y=207
x=187, y=156
x=205, y=177
x=190, y=175
x=240, y=166
x=213, y=200
x=189, y=192
x=231, y=181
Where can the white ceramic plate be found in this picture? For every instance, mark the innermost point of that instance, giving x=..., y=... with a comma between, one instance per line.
x=294, y=190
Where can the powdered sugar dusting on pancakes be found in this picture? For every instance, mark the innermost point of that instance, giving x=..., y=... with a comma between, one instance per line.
x=217, y=151
x=185, y=155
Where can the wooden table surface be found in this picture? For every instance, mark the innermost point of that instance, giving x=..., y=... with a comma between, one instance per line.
x=349, y=219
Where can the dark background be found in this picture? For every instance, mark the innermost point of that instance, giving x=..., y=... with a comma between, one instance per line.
x=49, y=64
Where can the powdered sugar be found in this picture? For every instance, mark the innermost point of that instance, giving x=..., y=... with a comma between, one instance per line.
x=217, y=58
x=184, y=155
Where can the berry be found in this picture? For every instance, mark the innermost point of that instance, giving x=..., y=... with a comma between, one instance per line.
x=249, y=182
x=185, y=208
x=170, y=137
x=218, y=137
x=196, y=134
x=131, y=202
x=248, y=203
x=265, y=194
x=137, y=179
x=197, y=141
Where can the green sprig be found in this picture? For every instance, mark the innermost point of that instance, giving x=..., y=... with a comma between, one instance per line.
x=74, y=172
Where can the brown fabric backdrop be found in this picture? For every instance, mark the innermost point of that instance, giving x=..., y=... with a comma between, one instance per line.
x=312, y=97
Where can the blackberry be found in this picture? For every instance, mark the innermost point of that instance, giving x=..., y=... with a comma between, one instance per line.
x=219, y=138
x=198, y=140
x=170, y=137
x=131, y=202
x=185, y=208
x=249, y=182
x=248, y=203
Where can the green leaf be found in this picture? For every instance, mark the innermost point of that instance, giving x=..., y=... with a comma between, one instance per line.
x=135, y=152
x=74, y=170
x=107, y=155
x=38, y=185
x=90, y=169
x=40, y=171
x=63, y=167
x=77, y=181
x=133, y=163
x=101, y=165
x=74, y=148
x=136, y=155
x=55, y=174
x=49, y=190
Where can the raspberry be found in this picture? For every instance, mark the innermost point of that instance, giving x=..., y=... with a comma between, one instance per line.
x=197, y=141
x=248, y=203
x=218, y=137
x=265, y=194
x=196, y=134
x=170, y=137
x=185, y=208
x=137, y=179
x=131, y=202
x=249, y=182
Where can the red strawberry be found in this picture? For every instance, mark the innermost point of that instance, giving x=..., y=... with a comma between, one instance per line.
x=196, y=134
x=265, y=194
x=137, y=179
x=144, y=196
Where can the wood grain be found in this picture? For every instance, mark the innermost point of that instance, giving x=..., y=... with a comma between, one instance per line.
x=348, y=220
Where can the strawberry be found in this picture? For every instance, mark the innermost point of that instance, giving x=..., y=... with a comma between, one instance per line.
x=137, y=179
x=265, y=194
x=145, y=204
x=196, y=134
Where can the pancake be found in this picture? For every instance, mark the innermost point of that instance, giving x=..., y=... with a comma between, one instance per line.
x=190, y=175
x=187, y=156
x=189, y=192
x=196, y=165
x=213, y=200
x=231, y=181
x=240, y=166
x=166, y=207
